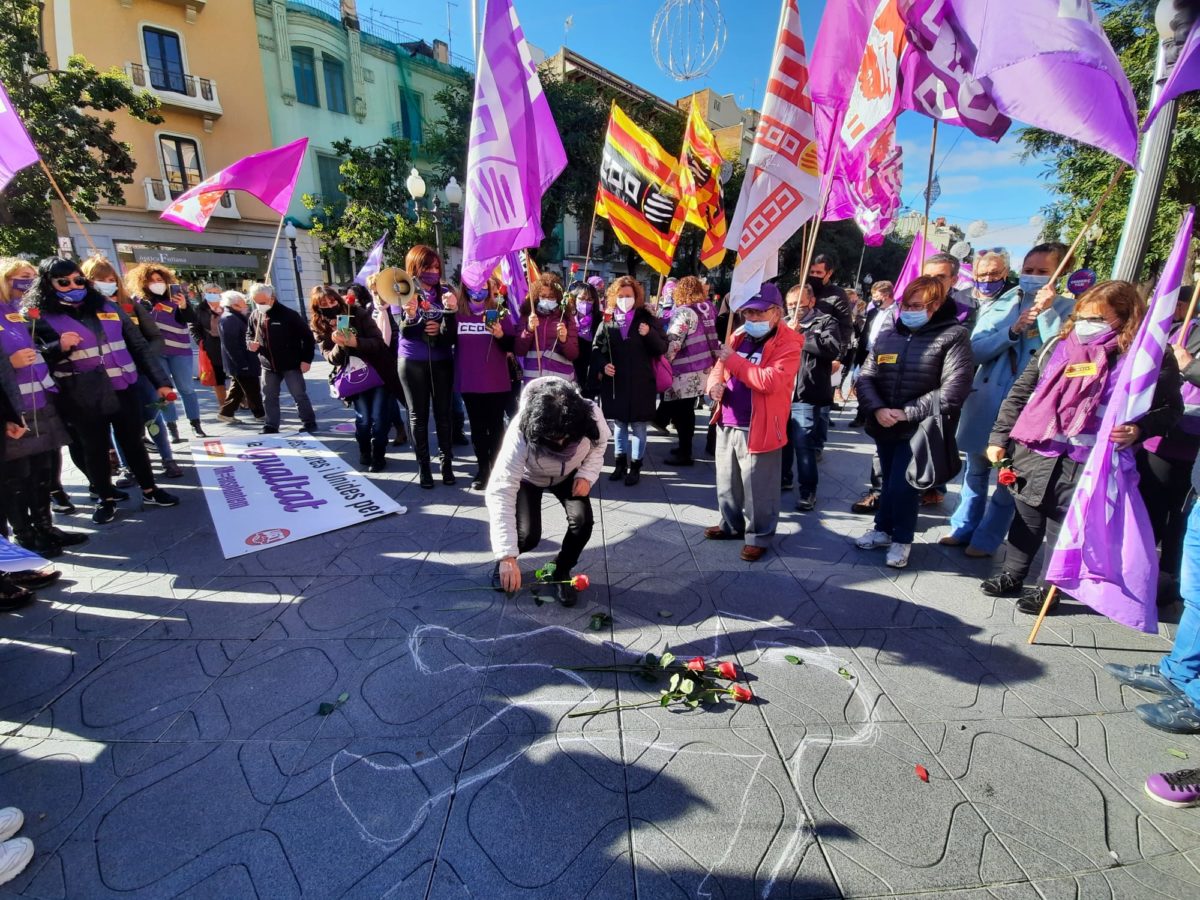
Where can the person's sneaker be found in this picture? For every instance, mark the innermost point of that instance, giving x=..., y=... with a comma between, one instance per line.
x=1178, y=789
x=786, y=485
x=228, y=420
x=14, y=857
x=159, y=497
x=897, y=555
x=1032, y=600
x=105, y=512
x=60, y=502
x=867, y=505
x=125, y=479
x=11, y=820
x=873, y=540
x=269, y=429
x=1144, y=677
x=1006, y=584
x=807, y=501
x=1177, y=715
x=171, y=469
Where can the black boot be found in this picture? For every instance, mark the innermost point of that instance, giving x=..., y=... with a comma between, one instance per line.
x=635, y=473
x=364, y=452
x=426, y=474
x=196, y=429
x=43, y=525
x=448, y=470
x=173, y=431
x=379, y=455
x=401, y=435
x=620, y=467
x=480, y=481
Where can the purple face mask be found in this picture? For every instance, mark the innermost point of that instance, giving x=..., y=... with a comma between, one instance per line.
x=22, y=284
x=431, y=279
x=75, y=296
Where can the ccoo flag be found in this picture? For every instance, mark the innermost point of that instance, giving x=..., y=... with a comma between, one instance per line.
x=876, y=95
x=16, y=149
x=635, y=192
x=374, y=261
x=699, y=176
x=1184, y=77
x=270, y=176
x=779, y=193
x=1105, y=555
x=514, y=153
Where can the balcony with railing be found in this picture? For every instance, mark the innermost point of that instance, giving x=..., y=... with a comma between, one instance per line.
x=159, y=195
x=177, y=89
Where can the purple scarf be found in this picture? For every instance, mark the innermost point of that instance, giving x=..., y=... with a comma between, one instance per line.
x=1061, y=405
x=624, y=320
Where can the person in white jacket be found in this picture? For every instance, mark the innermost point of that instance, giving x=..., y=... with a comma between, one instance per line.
x=555, y=443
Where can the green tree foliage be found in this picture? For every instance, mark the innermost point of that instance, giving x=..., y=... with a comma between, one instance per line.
x=1079, y=174
x=59, y=110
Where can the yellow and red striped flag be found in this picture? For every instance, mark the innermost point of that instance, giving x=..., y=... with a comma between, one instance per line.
x=700, y=186
x=635, y=192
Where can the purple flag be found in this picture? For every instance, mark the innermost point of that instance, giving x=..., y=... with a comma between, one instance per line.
x=1049, y=64
x=515, y=152
x=16, y=149
x=1105, y=555
x=513, y=273
x=1184, y=77
x=913, y=263
x=374, y=261
x=838, y=51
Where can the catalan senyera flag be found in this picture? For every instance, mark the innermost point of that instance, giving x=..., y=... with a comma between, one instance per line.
x=700, y=186
x=635, y=192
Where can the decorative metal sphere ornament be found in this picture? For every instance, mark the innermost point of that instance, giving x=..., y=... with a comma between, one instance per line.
x=978, y=228
x=688, y=37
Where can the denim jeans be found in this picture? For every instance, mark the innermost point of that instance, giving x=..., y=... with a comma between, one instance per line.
x=979, y=519
x=900, y=501
x=294, y=379
x=1182, y=664
x=802, y=425
x=180, y=370
x=629, y=439
x=820, y=429
x=372, y=415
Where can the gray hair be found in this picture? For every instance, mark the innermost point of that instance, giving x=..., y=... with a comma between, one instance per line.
x=230, y=298
x=259, y=288
x=939, y=258
x=999, y=253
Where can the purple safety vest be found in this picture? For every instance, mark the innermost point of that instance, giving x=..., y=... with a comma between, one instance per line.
x=33, y=381
x=699, y=350
x=176, y=339
x=111, y=354
x=546, y=361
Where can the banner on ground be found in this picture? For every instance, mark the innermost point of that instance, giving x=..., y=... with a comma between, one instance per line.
x=15, y=558
x=268, y=489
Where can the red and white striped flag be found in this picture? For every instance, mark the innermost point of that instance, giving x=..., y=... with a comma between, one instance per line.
x=780, y=191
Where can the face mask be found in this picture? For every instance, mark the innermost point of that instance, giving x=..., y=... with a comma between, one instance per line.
x=158, y=288
x=914, y=318
x=1031, y=284
x=814, y=282
x=1091, y=331
x=329, y=312
x=107, y=288
x=73, y=297
x=431, y=279
x=212, y=298
x=22, y=284
x=990, y=288
x=625, y=304
x=757, y=330
x=545, y=307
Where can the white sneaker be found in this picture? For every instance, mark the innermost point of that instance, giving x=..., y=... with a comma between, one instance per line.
x=873, y=540
x=14, y=857
x=11, y=820
x=897, y=555
x=228, y=420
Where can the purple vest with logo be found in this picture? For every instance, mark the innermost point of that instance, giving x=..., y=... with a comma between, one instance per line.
x=548, y=360
x=176, y=340
x=109, y=354
x=699, y=350
x=33, y=381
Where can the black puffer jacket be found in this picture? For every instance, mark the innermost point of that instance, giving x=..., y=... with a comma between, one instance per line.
x=822, y=345
x=908, y=370
x=630, y=395
x=832, y=300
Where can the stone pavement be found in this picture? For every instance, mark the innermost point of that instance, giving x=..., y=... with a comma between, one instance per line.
x=161, y=730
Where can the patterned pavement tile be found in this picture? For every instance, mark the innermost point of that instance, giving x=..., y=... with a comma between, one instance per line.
x=36, y=671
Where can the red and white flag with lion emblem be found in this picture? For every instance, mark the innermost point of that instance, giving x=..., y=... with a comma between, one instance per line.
x=780, y=191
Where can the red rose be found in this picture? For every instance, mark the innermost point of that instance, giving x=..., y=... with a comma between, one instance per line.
x=696, y=664
x=128, y=307
x=608, y=315
x=33, y=313
x=727, y=670
x=172, y=396
x=1007, y=477
x=581, y=582
x=574, y=268
x=425, y=304
x=741, y=694
x=922, y=773
x=504, y=290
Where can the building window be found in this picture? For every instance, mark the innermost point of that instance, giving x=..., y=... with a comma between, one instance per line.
x=305, y=70
x=335, y=85
x=329, y=177
x=181, y=163
x=410, y=116
x=164, y=55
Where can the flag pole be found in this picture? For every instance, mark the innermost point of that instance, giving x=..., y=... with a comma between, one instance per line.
x=70, y=209
x=591, y=236
x=274, y=247
x=1042, y=615
x=1191, y=311
x=826, y=190
x=1091, y=220
x=928, y=195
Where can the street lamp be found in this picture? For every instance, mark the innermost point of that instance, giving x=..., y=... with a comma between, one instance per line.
x=416, y=188
x=289, y=231
x=454, y=192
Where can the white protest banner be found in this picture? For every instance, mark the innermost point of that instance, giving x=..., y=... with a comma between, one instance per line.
x=268, y=489
x=15, y=558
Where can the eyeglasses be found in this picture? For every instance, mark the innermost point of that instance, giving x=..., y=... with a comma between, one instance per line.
x=1095, y=320
x=77, y=281
x=913, y=308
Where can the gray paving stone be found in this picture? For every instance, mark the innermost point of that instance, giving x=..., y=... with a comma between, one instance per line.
x=37, y=671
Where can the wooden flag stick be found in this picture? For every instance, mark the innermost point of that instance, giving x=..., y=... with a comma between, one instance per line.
x=1091, y=220
x=1042, y=615
x=271, y=260
x=1191, y=311
x=811, y=245
x=70, y=209
x=591, y=235
x=928, y=194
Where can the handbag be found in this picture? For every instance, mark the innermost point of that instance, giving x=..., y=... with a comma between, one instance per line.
x=664, y=375
x=208, y=376
x=935, y=457
x=354, y=378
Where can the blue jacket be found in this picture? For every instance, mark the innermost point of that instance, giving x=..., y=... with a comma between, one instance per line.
x=1000, y=359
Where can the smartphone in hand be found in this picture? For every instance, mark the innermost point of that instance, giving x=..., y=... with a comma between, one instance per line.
x=343, y=324
x=491, y=317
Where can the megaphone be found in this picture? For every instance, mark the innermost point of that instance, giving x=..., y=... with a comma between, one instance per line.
x=395, y=286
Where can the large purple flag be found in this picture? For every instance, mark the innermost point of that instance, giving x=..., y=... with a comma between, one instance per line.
x=16, y=149
x=1105, y=554
x=914, y=263
x=374, y=261
x=1049, y=64
x=1183, y=78
x=515, y=152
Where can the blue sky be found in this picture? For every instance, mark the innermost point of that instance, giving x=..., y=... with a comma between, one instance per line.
x=979, y=179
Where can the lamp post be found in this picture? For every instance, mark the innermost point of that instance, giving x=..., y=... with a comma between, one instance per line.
x=289, y=231
x=454, y=197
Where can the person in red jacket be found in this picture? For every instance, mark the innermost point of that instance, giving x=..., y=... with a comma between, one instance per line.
x=752, y=384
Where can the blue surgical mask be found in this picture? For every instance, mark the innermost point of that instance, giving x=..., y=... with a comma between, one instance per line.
x=757, y=330
x=545, y=307
x=74, y=297
x=914, y=318
x=107, y=288
x=1091, y=331
x=1031, y=284
x=990, y=288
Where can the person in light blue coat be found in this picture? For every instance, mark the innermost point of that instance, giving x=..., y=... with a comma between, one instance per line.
x=1011, y=327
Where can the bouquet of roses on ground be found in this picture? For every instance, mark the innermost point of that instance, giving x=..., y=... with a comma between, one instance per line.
x=690, y=683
